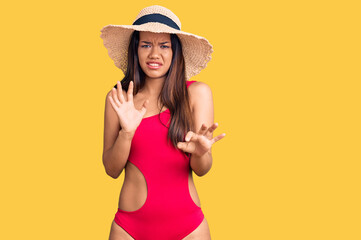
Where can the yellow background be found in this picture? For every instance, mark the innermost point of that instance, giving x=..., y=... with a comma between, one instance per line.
x=285, y=77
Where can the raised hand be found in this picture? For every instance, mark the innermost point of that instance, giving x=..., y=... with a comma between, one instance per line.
x=129, y=116
x=200, y=143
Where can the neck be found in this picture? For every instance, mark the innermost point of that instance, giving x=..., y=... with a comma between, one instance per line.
x=153, y=86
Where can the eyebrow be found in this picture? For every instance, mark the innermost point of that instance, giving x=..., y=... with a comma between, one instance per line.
x=151, y=43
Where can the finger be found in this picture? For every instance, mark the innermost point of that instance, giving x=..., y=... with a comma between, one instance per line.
x=219, y=137
x=120, y=92
x=115, y=97
x=113, y=103
x=186, y=147
x=203, y=129
x=130, y=91
x=189, y=136
x=211, y=129
x=181, y=145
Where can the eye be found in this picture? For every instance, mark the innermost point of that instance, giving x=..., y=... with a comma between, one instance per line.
x=163, y=46
x=145, y=46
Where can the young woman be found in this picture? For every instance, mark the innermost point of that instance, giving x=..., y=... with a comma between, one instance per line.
x=158, y=127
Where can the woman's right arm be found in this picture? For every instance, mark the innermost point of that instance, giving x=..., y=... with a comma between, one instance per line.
x=121, y=121
x=116, y=142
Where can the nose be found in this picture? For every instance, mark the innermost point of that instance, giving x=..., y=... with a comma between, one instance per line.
x=154, y=53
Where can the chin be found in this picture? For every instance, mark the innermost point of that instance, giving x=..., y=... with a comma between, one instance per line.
x=153, y=75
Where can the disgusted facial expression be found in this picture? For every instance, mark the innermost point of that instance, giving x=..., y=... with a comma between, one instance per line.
x=155, y=53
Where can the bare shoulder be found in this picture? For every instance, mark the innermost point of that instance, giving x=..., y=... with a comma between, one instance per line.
x=200, y=93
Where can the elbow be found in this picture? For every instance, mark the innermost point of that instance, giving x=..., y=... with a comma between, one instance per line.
x=202, y=172
x=112, y=173
x=204, y=166
x=111, y=170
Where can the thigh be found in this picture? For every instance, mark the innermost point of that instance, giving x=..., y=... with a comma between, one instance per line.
x=200, y=233
x=118, y=233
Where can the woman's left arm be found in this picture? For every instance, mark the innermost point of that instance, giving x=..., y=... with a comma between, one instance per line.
x=199, y=143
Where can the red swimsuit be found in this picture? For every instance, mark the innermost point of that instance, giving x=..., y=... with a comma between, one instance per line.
x=169, y=212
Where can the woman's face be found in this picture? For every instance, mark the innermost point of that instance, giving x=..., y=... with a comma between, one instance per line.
x=155, y=53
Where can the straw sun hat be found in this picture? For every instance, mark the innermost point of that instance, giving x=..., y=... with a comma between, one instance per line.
x=196, y=50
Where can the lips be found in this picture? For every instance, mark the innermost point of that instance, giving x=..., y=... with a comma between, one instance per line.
x=154, y=65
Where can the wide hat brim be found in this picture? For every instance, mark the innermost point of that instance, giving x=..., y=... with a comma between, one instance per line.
x=196, y=50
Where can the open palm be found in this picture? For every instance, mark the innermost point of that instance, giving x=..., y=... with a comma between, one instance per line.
x=200, y=143
x=129, y=116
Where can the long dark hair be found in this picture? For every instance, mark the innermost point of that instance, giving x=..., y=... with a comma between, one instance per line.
x=174, y=93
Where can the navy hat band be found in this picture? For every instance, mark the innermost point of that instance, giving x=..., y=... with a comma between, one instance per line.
x=156, y=17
